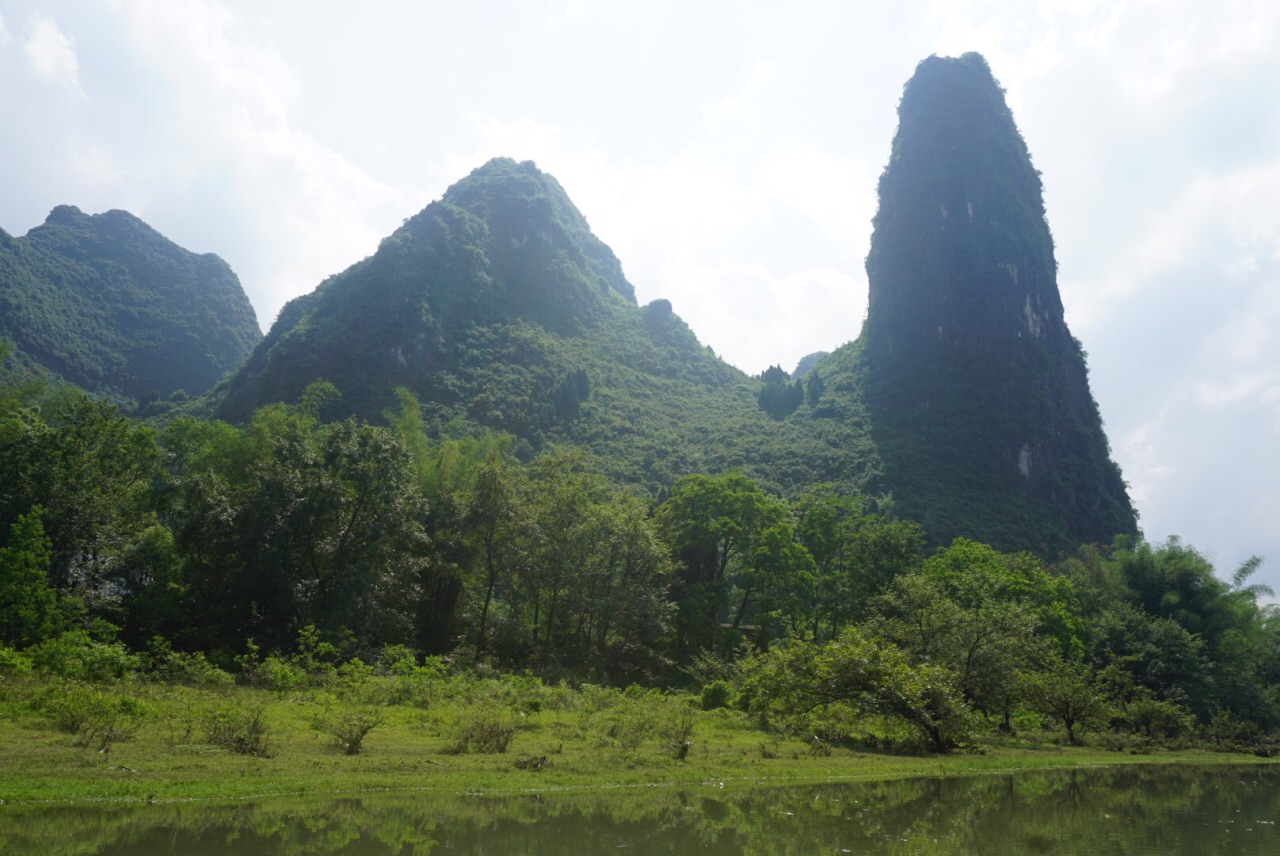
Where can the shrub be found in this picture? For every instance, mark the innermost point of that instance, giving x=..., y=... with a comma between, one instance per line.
x=12, y=663
x=177, y=667
x=397, y=660
x=276, y=674
x=240, y=730
x=76, y=655
x=348, y=728
x=716, y=695
x=676, y=729
x=489, y=733
x=94, y=717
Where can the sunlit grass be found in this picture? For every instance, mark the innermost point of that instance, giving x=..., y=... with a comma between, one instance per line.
x=556, y=738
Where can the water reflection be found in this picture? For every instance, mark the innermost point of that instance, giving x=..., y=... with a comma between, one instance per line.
x=1165, y=810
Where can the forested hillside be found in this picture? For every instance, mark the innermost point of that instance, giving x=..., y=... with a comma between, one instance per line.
x=110, y=305
x=498, y=310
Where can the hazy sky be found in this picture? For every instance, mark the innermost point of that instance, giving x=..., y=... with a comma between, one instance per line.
x=728, y=152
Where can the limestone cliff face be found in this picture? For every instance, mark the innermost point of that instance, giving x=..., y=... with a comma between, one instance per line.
x=978, y=393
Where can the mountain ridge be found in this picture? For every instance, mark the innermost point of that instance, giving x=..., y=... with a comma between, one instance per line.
x=109, y=304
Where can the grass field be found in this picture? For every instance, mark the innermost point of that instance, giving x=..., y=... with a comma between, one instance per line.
x=133, y=740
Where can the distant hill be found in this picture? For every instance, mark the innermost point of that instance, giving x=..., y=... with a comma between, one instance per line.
x=107, y=303
x=497, y=307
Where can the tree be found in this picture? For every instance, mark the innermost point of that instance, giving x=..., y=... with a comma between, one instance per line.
x=985, y=615
x=856, y=553
x=494, y=521
x=710, y=524
x=871, y=676
x=90, y=469
x=1066, y=692
x=28, y=604
x=298, y=524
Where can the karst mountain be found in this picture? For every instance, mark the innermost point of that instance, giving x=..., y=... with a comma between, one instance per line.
x=963, y=404
x=110, y=305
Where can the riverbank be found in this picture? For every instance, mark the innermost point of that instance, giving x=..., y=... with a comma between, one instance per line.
x=63, y=742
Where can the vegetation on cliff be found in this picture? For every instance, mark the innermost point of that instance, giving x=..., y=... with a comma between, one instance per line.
x=108, y=304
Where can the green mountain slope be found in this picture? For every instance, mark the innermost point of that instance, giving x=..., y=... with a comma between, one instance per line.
x=497, y=306
x=107, y=303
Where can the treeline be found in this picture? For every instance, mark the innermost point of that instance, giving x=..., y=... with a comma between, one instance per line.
x=231, y=542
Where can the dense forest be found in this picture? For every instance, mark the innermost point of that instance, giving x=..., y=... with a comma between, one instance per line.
x=207, y=543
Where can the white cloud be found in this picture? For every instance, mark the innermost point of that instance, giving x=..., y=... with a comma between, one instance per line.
x=738, y=107
x=50, y=54
x=759, y=318
x=4, y=34
x=230, y=113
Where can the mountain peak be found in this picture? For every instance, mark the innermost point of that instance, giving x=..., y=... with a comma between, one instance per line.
x=961, y=255
x=978, y=391
x=108, y=303
x=521, y=203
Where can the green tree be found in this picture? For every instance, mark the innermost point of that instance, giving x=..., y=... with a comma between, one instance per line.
x=91, y=471
x=1065, y=691
x=299, y=524
x=28, y=604
x=871, y=676
x=856, y=554
x=711, y=524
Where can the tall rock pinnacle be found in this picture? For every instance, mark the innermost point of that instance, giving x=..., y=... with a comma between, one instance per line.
x=978, y=393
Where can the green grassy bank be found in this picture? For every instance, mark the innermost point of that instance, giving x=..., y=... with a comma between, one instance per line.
x=70, y=741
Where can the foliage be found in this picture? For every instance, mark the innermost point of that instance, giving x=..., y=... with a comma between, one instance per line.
x=28, y=604
x=108, y=304
x=78, y=655
x=240, y=729
x=486, y=732
x=871, y=676
x=348, y=727
x=1066, y=692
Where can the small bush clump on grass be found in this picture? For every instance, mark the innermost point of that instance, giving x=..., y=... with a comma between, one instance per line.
x=488, y=733
x=242, y=730
x=77, y=655
x=348, y=728
x=676, y=729
x=94, y=717
x=176, y=667
x=716, y=695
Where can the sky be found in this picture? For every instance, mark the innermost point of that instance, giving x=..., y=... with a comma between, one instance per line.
x=728, y=153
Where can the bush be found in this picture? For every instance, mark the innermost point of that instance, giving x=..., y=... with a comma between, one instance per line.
x=716, y=695
x=76, y=655
x=176, y=667
x=676, y=729
x=94, y=717
x=279, y=675
x=12, y=663
x=1158, y=719
x=348, y=728
x=417, y=686
x=240, y=730
x=397, y=660
x=488, y=734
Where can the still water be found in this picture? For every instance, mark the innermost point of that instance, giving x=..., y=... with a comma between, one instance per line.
x=1123, y=810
